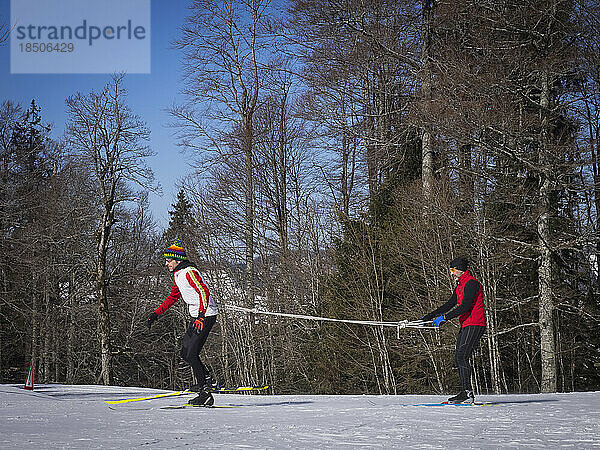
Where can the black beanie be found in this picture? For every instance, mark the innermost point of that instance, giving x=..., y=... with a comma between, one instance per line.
x=459, y=263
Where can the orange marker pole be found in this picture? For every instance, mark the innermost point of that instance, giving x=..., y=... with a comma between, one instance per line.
x=29, y=381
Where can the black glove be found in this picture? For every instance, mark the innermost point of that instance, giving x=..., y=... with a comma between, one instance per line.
x=151, y=318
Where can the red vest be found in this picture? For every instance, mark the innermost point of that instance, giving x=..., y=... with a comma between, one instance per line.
x=476, y=316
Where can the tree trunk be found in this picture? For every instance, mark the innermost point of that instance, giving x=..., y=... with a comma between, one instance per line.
x=282, y=185
x=34, y=333
x=428, y=160
x=345, y=201
x=71, y=331
x=103, y=306
x=466, y=183
x=492, y=339
x=545, y=270
x=47, y=352
x=247, y=143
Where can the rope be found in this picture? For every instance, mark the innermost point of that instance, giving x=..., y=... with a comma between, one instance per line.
x=398, y=325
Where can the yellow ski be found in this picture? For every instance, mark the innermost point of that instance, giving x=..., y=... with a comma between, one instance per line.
x=152, y=397
x=186, y=392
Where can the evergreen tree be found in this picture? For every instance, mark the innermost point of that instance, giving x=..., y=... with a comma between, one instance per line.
x=182, y=225
x=181, y=222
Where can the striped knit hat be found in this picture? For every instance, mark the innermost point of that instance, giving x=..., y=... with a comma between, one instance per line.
x=176, y=251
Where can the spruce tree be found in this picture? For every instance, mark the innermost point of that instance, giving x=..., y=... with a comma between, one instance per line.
x=182, y=225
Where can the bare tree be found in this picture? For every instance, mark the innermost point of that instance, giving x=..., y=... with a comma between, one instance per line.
x=109, y=140
x=225, y=56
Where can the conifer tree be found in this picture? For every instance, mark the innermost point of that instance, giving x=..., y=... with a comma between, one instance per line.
x=182, y=218
x=182, y=224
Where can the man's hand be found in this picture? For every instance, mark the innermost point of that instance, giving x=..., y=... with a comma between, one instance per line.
x=198, y=324
x=438, y=321
x=151, y=318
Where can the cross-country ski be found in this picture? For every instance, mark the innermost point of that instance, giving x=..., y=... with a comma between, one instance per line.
x=229, y=390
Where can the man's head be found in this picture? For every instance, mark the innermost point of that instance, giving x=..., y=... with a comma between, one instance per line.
x=175, y=254
x=458, y=266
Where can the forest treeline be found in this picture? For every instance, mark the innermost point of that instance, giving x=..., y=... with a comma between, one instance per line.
x=343, y=153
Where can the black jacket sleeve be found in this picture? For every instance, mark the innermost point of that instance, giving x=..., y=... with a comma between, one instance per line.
x=451, y=303
x=471, y=289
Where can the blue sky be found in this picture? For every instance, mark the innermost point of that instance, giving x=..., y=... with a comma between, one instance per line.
x=149, y=96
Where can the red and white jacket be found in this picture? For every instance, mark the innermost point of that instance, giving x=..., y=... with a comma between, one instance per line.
x=188, y=284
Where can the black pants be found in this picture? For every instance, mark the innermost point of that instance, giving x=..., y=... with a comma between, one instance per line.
x=467, y=340
x=193, y=343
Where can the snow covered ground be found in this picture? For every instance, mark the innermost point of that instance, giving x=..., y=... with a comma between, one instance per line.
x=60, y=416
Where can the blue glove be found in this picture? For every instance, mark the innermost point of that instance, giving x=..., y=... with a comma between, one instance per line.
x=438, y=321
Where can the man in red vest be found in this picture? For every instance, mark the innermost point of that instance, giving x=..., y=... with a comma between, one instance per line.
x=468, y=300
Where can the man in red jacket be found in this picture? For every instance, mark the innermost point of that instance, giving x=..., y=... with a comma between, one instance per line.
x=189, y=285
x=468, y=299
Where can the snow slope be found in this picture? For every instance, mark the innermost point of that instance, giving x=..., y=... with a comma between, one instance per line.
x=61, y=416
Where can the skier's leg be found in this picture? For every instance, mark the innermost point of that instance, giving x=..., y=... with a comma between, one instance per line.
x=459, y=344
x=467, y=340
x=193, y=343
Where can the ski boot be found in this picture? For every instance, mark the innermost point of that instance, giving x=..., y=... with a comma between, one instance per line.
x=463, y=397
x=203, y=399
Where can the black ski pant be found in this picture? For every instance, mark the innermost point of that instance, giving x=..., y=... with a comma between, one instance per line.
x=193, y=343
x=466, y=342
